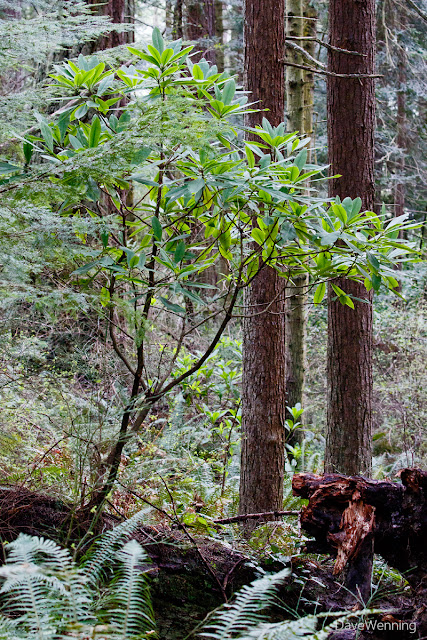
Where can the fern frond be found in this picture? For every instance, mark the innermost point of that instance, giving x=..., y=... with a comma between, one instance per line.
x=40, y=580
x=104, y=549
x=30, y=549
x=246, y=610
x=9, y=629
x=133, y=614
x=303, y=628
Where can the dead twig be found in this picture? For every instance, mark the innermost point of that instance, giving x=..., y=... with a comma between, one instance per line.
x=330, y=73
x=192, y=540
x=326, y=45
x=254, y=516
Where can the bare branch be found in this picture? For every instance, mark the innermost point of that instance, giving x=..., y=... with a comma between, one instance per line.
x=326, y=45
x=330, y=73
x=417, y=9
x=304, y=53
x=255, y=516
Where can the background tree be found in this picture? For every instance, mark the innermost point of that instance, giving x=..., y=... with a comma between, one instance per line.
x=351, y=122
x=296, y=298
x=203, y=23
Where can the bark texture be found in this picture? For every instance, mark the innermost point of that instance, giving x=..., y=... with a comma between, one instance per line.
x=310, y=31
x=204, y=24
x=177, y=27
x=120, y=12
x=263, y=392
x=401, y=124
x=296, y=292
x=351, y=122
x=294, y=76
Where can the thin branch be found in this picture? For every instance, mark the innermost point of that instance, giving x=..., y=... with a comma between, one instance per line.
x=326, y=45
x=304, y=53
x=256, y=516
x=417, y=9
x=330, y=73
x=113, y=335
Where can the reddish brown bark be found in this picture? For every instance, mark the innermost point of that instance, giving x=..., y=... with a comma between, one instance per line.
x=203, y=24
x=263, y=399
x=351, y=121
x=120, y=12
x=401, y=124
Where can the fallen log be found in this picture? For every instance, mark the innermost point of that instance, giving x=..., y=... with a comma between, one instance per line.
x=353, y=517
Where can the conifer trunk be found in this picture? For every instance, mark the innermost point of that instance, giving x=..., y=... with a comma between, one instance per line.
x=204, y=21
x=401, y=137
x=177, y=27
x=310, y=31
x=219, y=34
x=120, y=12
x=296, y=291
x=351, y=121
x=263, y=385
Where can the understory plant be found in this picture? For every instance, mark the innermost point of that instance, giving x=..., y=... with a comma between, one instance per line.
x=147, y=164
x=247, y=616
x=46, y=595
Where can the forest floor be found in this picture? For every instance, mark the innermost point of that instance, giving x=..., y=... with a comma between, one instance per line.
x=193, y=575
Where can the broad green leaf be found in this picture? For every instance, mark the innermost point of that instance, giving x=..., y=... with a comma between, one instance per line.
x=250, y=157
x=63, y=122
x=85, y=268
x=158, y=41
x=373, y=261
x=133, y=262
x=47, y=135
x=28, y=150
x=81, y=112
x=95, y=132
x=258, y=236
x=104, y=238
x=179, y=252
x=228, y=91
x=197, y=72
x=319, y=294
x=92, y=190
x=141, y=155
x=338, y=290
x=171, y=306
x=301, y=159
x=195, y=185
x=6, y=167
x=376, y=281
x=104, y=297
x=157, y=228
x=347, y=301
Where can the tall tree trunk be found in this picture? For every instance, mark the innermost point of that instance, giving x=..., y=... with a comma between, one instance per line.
x=120, y=12
x=296, y=292
x=219, y=35
x=168, y=19
x=263, y=385
x=351, y=121
x=204, y=24
x=310, y=31
x=195, y=20
x=401, y=137
x=177, y=28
